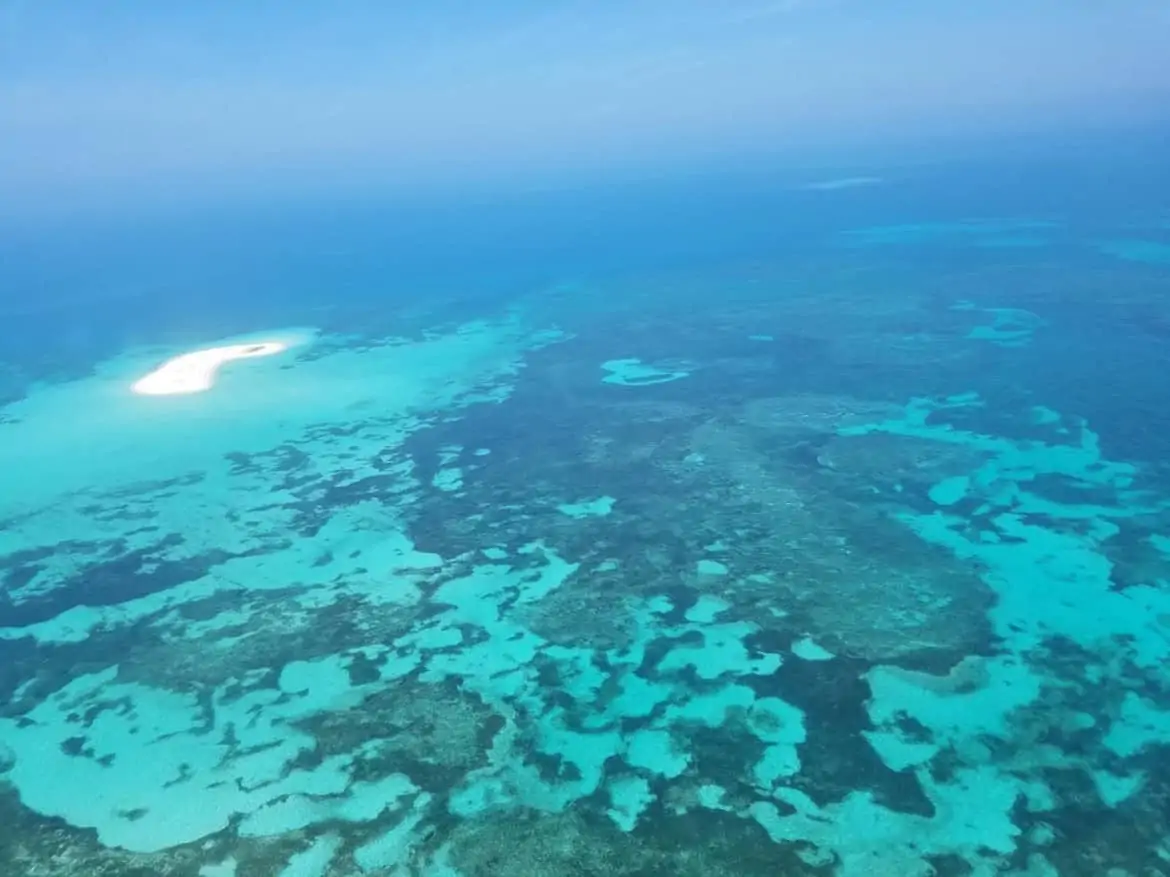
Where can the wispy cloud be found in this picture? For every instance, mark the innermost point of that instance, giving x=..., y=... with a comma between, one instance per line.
x=752, y=12
x=836, y=185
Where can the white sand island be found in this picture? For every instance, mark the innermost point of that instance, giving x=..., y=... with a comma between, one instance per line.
x=195, y=372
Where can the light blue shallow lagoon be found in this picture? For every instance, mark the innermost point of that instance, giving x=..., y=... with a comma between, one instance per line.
x=744, y=524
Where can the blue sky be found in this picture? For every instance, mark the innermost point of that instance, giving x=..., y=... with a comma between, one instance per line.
x=126, y=100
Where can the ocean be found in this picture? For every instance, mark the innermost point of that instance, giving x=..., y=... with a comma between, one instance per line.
x=756, y=520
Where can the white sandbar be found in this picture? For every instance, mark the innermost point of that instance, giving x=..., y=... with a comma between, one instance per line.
x=195, y=372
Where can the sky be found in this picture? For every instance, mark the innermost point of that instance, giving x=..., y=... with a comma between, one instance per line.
x=137, y=100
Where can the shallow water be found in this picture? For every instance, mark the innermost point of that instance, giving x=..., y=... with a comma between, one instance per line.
x=813, y=531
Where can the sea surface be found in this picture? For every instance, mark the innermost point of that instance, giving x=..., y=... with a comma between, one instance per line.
x=762, y=521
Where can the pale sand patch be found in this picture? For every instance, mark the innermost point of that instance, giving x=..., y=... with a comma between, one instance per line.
x=195, y=372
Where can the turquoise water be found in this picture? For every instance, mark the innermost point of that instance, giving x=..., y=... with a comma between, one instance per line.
x=745, y=525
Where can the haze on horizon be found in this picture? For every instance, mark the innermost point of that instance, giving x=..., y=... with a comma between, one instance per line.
x=111, y=105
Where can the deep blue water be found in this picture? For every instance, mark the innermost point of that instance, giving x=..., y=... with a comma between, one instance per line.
x=72, y=291
x=493, y=242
